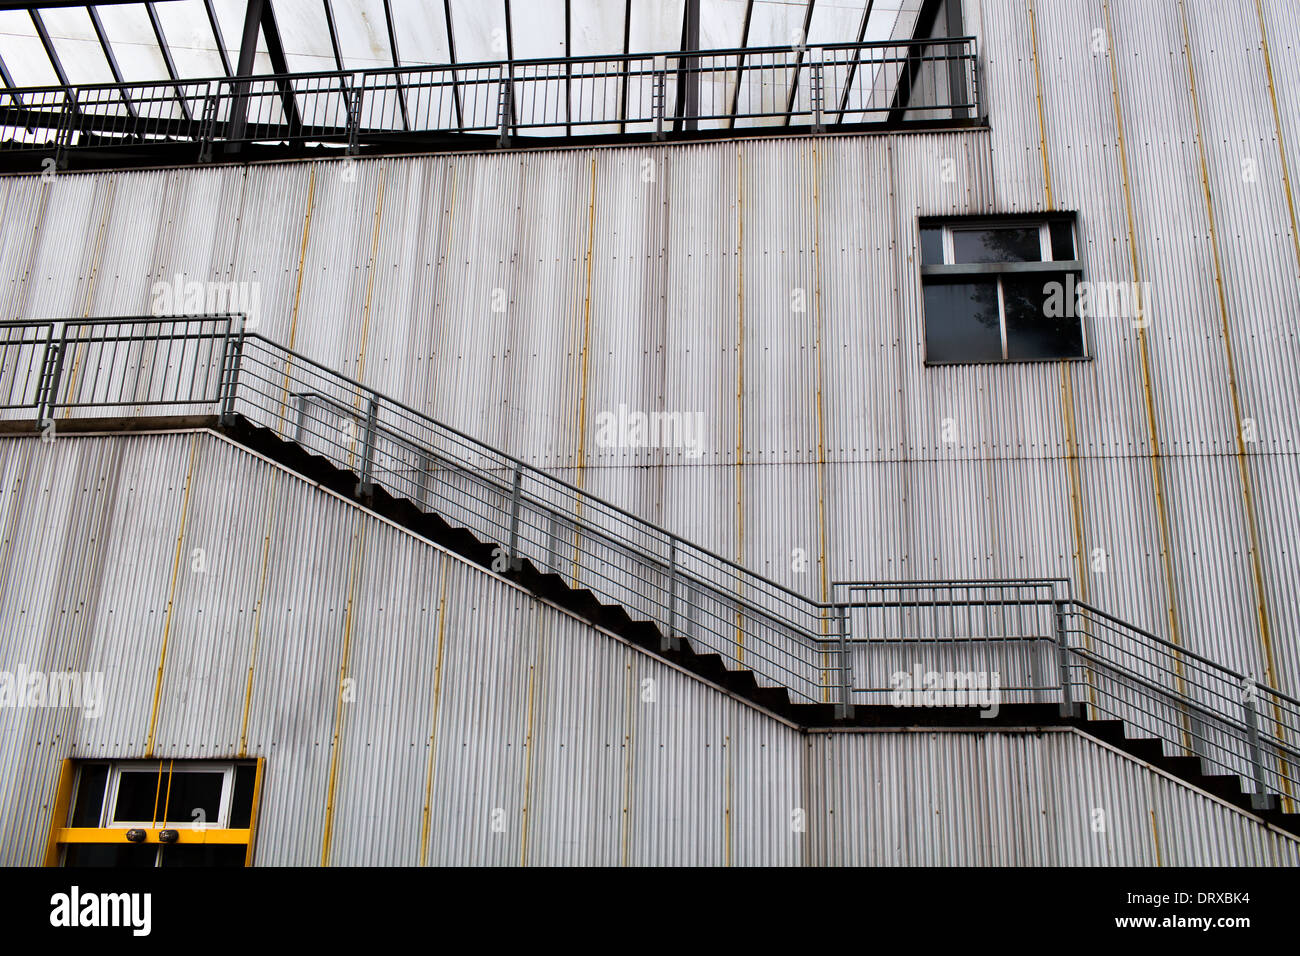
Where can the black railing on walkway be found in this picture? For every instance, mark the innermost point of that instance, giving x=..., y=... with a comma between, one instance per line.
x=756, y=90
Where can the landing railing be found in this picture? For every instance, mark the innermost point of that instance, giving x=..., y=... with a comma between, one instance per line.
x=924, y=643
x=901, y=644
x=828, y=87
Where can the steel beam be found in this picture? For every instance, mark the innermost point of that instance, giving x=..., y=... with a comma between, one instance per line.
x=451, y=57
x=740, y=64
x=112, y=59
x=798, y=60
x=397, y=65
x=510, y=62
x=216, y=35
x=9, y=82
x=280, y=64
x=688, y=75
x=627, y=49
x=853, y=67
x=244, y=68
x=921, y=38
x=338, y=54
x=568, y=68
x=167, y=59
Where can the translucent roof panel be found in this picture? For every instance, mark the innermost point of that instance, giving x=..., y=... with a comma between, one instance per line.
x=538, y=29
x=22, y=51
x=133, y=42
x=363, y=34
x=480, y=30
x=656, y=26
x=597, y=27
x=421, y=30
x=479, y=34
x=73, y=36
x=305, y=33
x=189, y=37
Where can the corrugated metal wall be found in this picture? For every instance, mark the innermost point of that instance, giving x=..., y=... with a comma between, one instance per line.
x=480, y=726
x=773, y=287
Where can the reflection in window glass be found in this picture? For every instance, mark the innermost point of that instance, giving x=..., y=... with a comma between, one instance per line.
x=1031, y=332
x=192, y=795
x=136, y=792
x=931, y=247
x=961, y=322
x=90, y=795
x=1062, y=241
x=998, y=244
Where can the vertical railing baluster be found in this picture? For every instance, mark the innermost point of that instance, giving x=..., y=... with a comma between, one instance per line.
x=1260, y=799
x=669, y=639
x=844, y=706
x=516, y=496
x=1063, y=653
x=365, y=487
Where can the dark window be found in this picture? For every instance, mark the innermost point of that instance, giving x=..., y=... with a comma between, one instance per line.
x=965, y=325
x=931, y=247
x=1000, y=244
x=90, y=795
x=191, y=796
x=241, y=805
x=116, y=796
x=1034, y=329
x=137, y=796
x=1000, y=290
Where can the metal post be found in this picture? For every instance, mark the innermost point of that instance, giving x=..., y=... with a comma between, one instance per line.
x=660, y=83
x=234, y=353
x=49, y=382
x=365, y=486
x=504, y=105
x=423, y=466
x=63, y=135
x=1063, y=656
x=354, y=118
x=516, y=495
x=207, y=126
x=844, y=706
x=60, y=351
x=815, y=87
x=669, y=640
x=302, y=416
x=1260, y=800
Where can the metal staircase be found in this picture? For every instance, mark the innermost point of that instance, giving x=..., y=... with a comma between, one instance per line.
x=1007, y=653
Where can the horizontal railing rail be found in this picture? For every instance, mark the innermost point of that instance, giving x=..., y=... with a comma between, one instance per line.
x=832, y=86
x=1037, y=641
x=1096, y=661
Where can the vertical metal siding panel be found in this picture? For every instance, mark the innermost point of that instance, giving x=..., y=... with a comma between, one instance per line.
x=337, y=267
x=479, y=783
x=1261, y=281
x=270, y=215
x=1194, y=414
x=59, y=279
x=296, y=672
x=704, y=779
x=1275, y=478
x=384, y=741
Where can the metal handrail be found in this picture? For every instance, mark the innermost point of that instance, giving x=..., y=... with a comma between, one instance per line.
x=843, y=80
x=812, y=648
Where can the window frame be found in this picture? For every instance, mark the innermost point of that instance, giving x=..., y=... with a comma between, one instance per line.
x=63, y=833
x=951, y=270
x=114, y=782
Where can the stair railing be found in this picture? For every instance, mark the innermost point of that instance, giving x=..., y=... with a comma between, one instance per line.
x=1043, y=645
